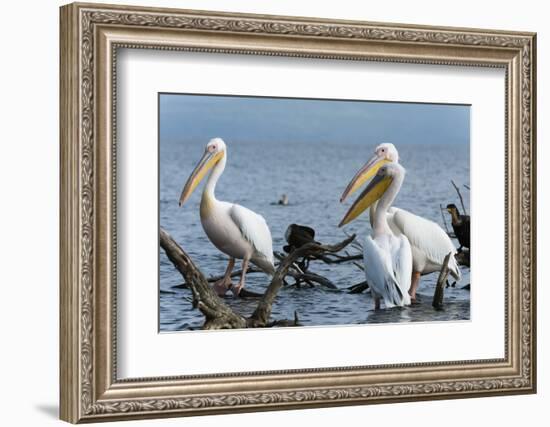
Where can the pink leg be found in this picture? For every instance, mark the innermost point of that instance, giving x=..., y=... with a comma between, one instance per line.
x=238, y=288
x=415, y=281
x=221, y=286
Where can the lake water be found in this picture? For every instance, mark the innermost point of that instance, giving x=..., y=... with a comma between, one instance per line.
x=313, y=175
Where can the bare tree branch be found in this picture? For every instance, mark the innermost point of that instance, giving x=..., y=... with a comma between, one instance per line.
x=217, y=314
x=261, y=315
x=337, y=259
x=359, y=266
x=358, y=288
x=220, y=316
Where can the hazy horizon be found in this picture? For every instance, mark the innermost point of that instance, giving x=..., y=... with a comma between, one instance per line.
x=271, y=120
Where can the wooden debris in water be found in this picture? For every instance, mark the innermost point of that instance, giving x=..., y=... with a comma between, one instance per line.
x=437, y=302
x=359, y=287
x=218, y=315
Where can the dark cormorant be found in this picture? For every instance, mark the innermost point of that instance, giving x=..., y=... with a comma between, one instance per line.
x=461, y=226
x=297, y=236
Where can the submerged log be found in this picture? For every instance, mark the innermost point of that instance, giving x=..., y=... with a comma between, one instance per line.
x=314, y=278
x=437, y=302
x=358, y=288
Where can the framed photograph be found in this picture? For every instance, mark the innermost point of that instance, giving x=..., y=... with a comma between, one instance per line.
x=267, y=212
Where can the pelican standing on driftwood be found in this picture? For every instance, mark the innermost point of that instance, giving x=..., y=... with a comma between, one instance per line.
x=232, y=228
x=387, y=257
x=429, y=242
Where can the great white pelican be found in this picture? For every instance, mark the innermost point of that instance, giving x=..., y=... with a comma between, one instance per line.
x=233, y=229
x=387, y=257
x=429, y=243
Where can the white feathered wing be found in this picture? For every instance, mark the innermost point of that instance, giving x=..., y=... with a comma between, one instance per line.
x=388, y=268
x=429, y=243
x=254, y=229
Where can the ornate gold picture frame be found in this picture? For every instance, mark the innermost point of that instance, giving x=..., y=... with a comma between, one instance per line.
x=91, y=34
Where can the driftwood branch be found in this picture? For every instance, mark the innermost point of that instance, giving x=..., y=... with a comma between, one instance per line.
x=355, y=244
x=296, y=273
x=312, y=278
x=437, y=302
x=336, y=259
x=359, y=266
x=359, y=287
x=217, y=314
x=262, y=313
